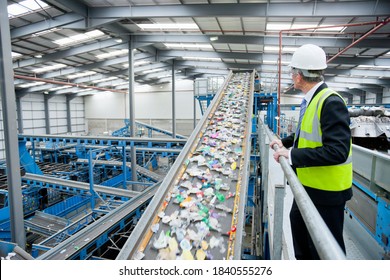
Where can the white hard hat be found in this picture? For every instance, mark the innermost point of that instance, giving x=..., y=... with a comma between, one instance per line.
x=309, y=57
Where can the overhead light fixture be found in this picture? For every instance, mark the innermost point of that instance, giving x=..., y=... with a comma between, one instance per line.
x=118, y=40
x=38, y=56
x=214, y=38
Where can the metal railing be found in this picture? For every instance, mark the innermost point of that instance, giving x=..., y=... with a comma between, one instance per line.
x=326, y=245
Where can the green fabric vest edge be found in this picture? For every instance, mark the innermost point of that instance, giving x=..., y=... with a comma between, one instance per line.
x=328, y=178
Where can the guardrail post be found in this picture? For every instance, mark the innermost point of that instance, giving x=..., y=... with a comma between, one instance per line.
x=277, y=243
x=373, y=170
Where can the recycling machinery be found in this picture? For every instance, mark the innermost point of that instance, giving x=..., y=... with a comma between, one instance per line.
x=192, y=198
x=84, y=196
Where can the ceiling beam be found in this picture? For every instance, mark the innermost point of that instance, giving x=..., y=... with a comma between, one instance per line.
x=308, y=9
x=325, y=42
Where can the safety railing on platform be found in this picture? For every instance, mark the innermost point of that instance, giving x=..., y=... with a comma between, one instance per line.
x=326, y=245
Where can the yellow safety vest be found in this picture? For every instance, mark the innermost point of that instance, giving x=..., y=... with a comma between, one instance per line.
x=328, y=178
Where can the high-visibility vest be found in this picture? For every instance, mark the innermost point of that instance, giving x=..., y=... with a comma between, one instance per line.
x=329, y=178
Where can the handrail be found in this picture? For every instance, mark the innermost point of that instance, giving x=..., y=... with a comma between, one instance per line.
x=326, y=245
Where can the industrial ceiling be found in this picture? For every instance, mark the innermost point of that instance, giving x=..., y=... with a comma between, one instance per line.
x=81, y=47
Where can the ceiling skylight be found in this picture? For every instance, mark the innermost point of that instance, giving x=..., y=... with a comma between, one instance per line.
x=49, y=68
x=201, y=58
x=40, y=33
x=276, y=49
x=113, y=53
x=188, y=46
x=58, y=88
x=169, y=26
x=31, y=84
x=25, y=7
x=79, y=38
x=105, y=79
x=152, y=71
x=308, y=26
x=15, y=55
x=82, y=74
x=373, y=66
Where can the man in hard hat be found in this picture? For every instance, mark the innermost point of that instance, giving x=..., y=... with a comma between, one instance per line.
x=321, y=149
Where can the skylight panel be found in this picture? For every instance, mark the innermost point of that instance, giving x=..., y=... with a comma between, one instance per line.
x=15, y=55
x=34, y=4
x=113, y=53
x=169, y=26
x=373, y=66
x=276, y=49
x=17, y=10
x=277, y=26
x=275, y=62
x=31, y=84
x=105, y=79
x=151, y=71
x=75, y=39
x=189, y=46
x=40, y=33
x=25, y=7
x=329, y=28
x=82, y=74
x=164, y=76
x=58, y=88
x=49, y=68
x=201, y=58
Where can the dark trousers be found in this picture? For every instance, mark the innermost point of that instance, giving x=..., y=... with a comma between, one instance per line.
x=304, y=248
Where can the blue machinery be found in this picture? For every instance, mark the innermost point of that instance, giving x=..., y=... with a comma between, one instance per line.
x=81, y=202
x=140, y=130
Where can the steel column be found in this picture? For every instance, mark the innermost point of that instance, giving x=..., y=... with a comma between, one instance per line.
x=131, y=87
x=20, y=115
x=173, y=101
x=46, y=98
x=8, y=103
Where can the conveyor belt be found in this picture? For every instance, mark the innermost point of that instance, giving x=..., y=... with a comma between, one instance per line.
x=76, y=243
x=45, y=224
x=79, y=185
x=199, y=210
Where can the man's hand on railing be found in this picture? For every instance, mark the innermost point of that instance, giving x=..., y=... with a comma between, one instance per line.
x=282, y=151
x=276, y=141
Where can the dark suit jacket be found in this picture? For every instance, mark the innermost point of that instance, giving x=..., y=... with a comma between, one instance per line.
x=336, y=139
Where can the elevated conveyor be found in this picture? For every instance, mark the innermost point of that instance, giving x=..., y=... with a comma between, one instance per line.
x=55, y=183
x=82, y=244
x=199, y=210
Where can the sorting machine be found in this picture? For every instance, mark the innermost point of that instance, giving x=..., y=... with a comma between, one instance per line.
x=70, y=183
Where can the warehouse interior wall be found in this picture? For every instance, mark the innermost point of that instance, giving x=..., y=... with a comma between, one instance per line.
x=106, y=112
x=33, y=113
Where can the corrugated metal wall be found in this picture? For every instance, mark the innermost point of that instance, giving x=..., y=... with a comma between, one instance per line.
x=34, y=118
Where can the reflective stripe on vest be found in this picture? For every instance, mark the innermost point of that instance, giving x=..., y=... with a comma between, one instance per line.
x=330, y=178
